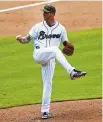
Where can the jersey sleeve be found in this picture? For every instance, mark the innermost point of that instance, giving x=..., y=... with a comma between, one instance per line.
x=33, y=32
x=64, y=35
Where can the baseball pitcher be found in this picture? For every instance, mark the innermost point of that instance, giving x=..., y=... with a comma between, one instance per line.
x=47, y=36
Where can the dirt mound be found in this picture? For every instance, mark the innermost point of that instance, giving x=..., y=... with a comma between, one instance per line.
x=68, y=111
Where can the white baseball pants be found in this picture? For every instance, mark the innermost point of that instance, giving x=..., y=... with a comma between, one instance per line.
x=46, y=57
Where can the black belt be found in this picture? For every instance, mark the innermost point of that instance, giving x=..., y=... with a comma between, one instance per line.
x=37, y=47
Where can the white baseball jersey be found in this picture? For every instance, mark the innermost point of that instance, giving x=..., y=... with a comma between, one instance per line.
x=46, y=36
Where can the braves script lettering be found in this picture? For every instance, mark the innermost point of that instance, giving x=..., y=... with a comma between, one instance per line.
x=43, y=35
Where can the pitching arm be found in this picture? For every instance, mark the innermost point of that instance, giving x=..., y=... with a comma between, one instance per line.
x=25, y=39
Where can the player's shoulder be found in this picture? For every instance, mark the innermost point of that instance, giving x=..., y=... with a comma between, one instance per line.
x=62, y=26
x=38, y=24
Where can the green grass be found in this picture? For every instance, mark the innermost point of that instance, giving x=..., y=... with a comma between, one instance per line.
x=20, y=75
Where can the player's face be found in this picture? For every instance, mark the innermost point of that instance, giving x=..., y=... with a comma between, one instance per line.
x=47, y=15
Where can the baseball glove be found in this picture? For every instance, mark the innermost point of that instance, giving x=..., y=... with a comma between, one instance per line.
x=68, y=49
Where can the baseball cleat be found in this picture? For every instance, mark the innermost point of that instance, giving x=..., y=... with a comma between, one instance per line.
x=76, y=74
x=45, y=115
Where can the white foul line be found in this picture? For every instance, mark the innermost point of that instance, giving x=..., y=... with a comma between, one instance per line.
x=26, y=6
